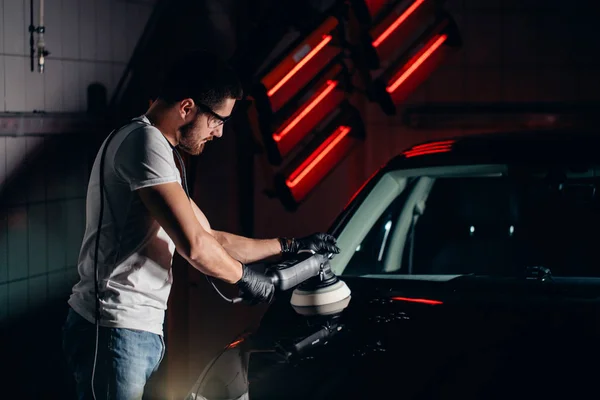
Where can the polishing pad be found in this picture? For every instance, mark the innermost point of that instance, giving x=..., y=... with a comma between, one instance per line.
x=321, y=301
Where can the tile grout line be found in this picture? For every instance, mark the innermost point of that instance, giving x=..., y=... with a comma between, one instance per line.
x=7, y=241
x=78, y=30
x=3, y=105
x=28, y=234
x=70, y=59
x=37, y=202
x=6, y=303
x=44, y=165
x=41, y=274
x=45, y=159
x=26, y=25
x=4, y=194
x=3, y=64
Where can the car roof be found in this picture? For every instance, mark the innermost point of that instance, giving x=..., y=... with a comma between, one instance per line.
x=565, y=146
x=575, y=148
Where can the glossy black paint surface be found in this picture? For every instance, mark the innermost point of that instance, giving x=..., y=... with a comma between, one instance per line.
x=491, y=338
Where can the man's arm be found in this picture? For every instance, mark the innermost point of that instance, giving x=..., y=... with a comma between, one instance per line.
x=170, y=206
x=248, y=250
x=241, y=248
x=144, y=160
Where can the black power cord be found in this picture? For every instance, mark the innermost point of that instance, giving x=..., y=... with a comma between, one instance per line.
x=97, y=246
x=187, y=192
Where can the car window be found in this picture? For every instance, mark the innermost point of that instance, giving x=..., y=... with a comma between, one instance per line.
x=369, y=256
x=494, y=225
x=469, y=225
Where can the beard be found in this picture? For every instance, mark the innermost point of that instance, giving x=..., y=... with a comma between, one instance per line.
x=190, y=142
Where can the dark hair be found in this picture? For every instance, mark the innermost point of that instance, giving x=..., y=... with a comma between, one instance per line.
x=202, y=76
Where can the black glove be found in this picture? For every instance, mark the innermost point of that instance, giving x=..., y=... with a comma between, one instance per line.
x=255, y=287
x=321, y=243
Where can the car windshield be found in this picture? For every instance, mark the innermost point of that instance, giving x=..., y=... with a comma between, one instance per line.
x=488, y=220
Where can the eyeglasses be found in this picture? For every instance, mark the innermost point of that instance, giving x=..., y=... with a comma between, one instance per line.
x=214, y=120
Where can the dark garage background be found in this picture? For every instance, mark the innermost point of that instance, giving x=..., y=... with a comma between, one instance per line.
x=514, y=51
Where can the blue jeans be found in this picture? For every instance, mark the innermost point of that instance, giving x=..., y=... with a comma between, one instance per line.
x=126, y=359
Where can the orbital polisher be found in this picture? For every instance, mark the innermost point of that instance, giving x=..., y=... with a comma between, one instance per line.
x=318, y=291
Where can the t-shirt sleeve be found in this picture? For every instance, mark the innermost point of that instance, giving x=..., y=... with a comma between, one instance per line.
x=145, y=159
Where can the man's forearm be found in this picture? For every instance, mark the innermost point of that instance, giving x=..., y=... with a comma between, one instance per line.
x=248, y=250
x=209, y=257
x=243, y=249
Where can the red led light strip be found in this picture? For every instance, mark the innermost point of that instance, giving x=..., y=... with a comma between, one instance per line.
x=315, y=158
x=306, y=59
x=384, y=35
x=430, y=148
x=329, y=87
x=422, y=301
x=426, y=54
x=433, y=144
x=425, y=152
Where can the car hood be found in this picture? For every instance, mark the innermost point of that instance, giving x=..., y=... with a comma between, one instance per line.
x=425, y=338
x=484, y=337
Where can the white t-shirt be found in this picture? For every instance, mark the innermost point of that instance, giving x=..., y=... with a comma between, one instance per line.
x=135, y=253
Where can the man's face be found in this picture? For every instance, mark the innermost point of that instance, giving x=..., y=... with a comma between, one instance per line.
x=204, y=126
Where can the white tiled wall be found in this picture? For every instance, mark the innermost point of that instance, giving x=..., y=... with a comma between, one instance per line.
x=42, y=217
x=89, y=41
x=42, y=220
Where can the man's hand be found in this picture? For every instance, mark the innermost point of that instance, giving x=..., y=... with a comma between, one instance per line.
x=255, y=287
x=321, y=243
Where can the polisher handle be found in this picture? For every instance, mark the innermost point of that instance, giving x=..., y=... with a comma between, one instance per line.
x=290, y=274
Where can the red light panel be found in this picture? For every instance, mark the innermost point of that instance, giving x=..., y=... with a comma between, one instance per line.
x=396, y=23
x=400, y=28
x=416, y=70
x=326, y=39
x=325, y=100
x=301, y=65
x=316, y=158
x=329, y=86
x=416, y=62
x=334, y=138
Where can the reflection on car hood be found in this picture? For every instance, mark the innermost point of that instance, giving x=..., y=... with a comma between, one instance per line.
x=481, y=336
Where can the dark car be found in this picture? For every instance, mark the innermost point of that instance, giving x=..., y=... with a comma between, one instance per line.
x=474, y=273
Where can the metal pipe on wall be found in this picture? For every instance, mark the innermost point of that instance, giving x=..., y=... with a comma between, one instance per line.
x=42, y=53
x=41, y=44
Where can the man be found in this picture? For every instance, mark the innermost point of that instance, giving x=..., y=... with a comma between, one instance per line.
x=146, y=215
